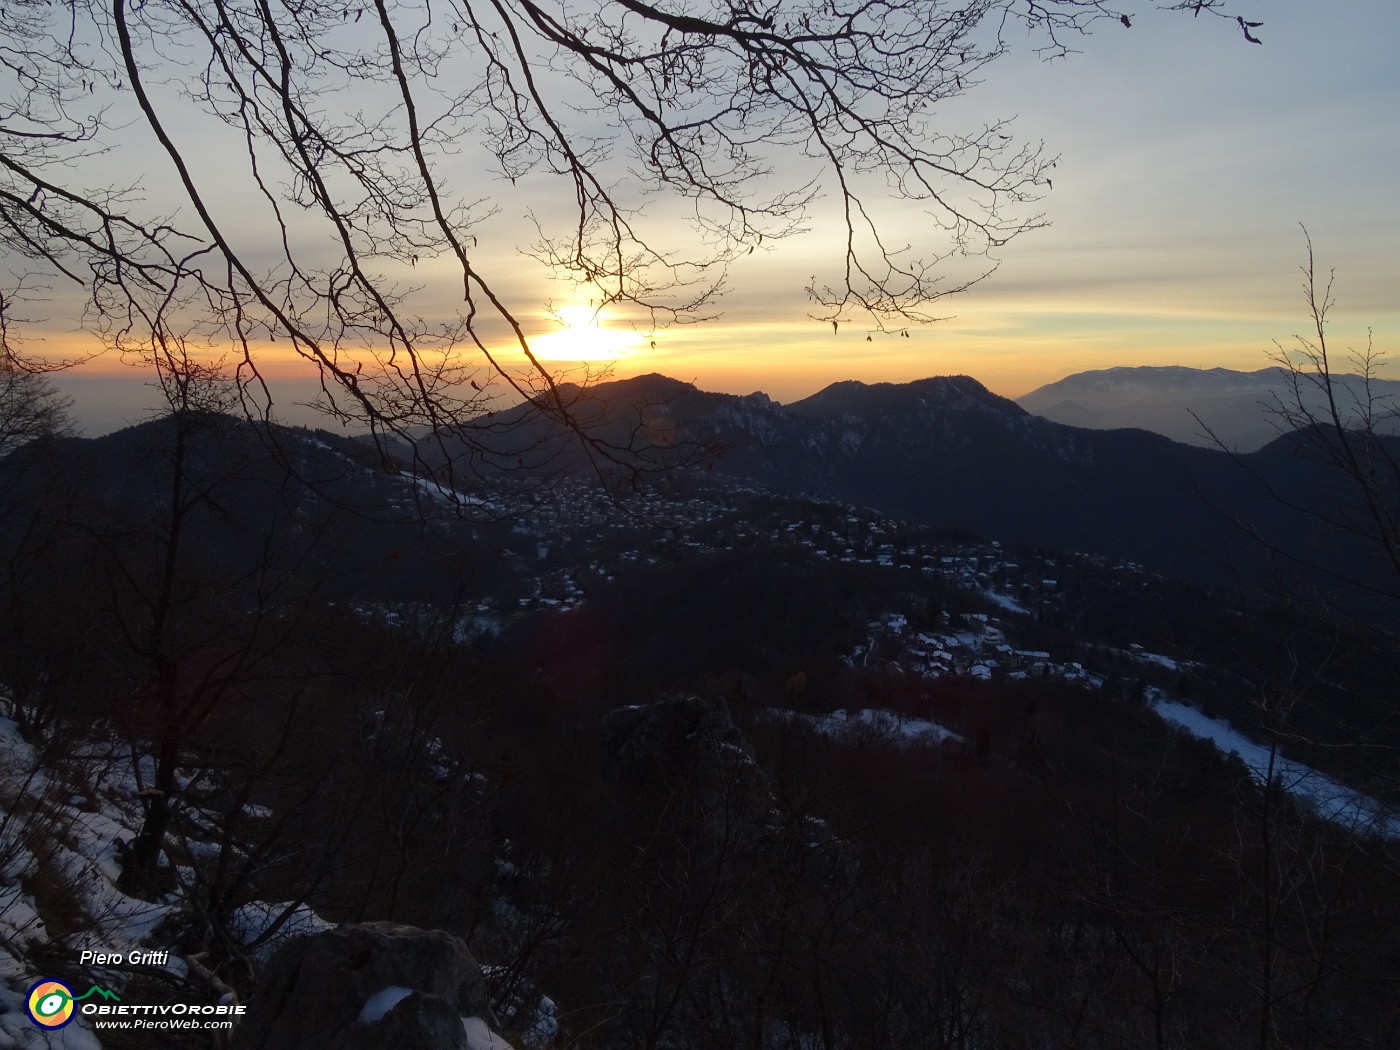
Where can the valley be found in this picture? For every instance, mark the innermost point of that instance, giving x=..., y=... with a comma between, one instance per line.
x=723, y=753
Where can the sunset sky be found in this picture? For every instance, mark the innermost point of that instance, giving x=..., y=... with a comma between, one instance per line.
x=1188, y=160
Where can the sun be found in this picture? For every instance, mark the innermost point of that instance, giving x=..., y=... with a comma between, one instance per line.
x=584, y=336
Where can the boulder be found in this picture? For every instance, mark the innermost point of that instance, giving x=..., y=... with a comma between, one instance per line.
x=364, y=986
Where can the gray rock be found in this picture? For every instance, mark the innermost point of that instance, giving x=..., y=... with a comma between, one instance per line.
x=679, y=733
x=685, y=755
x=315, y=988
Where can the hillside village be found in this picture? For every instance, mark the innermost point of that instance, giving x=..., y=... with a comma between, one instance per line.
x=561, y=550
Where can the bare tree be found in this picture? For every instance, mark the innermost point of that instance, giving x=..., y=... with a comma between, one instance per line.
x=29, y=405
x=1343, y=422
x=332, y=170
x=29, y=408
x=1336, y=567
x=188, y=639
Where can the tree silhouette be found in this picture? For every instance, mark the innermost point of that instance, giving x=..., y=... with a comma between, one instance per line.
x=30, y=407
x=1342, y=421
x=239, y=173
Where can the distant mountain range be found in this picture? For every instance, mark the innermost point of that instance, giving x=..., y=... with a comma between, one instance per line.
x=1198, y=406
x=946, y=451
x=942, y=451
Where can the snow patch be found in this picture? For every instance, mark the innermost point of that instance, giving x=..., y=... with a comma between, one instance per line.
x=546, y=1027
x=381, y=1002
x=901, y=731
x=480, y=1037
x=1005, y=601
x=1156, y=658
x=1326, y=797
x=253, y=925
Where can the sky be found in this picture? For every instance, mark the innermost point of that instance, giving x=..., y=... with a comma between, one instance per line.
x=1189, y=161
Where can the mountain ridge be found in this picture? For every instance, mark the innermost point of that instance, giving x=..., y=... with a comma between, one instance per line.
x=945, y=451
x=941, y=451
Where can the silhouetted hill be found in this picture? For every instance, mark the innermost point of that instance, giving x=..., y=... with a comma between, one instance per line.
x=253, y=501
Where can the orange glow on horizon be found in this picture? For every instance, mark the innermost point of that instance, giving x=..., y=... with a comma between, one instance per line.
x=1008, y=349
x=87, y=357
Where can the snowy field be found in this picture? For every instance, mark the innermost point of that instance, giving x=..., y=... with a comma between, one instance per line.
x=1326, y=797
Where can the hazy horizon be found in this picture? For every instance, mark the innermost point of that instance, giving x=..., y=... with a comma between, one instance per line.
x=104, y=402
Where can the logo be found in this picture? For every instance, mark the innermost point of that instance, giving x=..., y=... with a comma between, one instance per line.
x=50, y=1002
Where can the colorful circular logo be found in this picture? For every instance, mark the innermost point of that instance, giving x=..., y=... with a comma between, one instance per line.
x=50, y=1004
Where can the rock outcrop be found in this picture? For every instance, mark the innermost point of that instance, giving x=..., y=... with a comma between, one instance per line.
x=679, y=733
x=373, y=985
